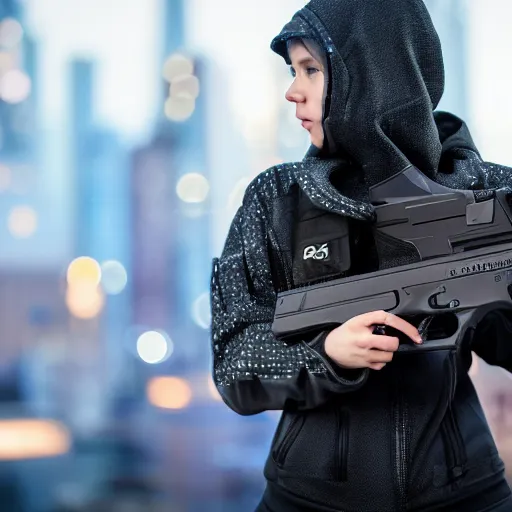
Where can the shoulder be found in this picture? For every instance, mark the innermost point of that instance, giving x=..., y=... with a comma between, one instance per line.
x=270, y=185
x=497, y=175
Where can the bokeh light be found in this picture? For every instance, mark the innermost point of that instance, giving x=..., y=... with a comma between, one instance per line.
x=169, y=392
x=85, y=300
x=201, y=313
x=193, y=188
x=32, y=439
x=113, y=277
x=22, y=221
x=177, y=65
x=11, y=33
x=15, y=86
x=154, y=347
x=84, y=270
x=7, y=61
x=179, y=109
x=186, y=86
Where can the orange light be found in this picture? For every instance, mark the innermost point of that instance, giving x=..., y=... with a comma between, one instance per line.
x=84, y=300
x=84, y=269
x=32, y=439
x=169, y=392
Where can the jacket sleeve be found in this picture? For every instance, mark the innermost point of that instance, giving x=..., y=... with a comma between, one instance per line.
x=252, y=370
x=492, y=339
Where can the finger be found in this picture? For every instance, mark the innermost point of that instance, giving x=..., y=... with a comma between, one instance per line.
x=376, y=366
x=383, y=343
x=385, y=318
x=379, y=356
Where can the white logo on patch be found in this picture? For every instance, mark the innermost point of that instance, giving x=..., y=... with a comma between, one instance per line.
x=316, y=252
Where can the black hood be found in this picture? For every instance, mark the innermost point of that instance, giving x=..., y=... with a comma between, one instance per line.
x=385, y=77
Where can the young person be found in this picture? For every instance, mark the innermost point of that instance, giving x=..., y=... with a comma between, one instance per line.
x=364, y=428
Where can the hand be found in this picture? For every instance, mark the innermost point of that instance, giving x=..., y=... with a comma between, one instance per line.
x=353, y=344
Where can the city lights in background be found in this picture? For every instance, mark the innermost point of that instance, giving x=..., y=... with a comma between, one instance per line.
x=201, y=313
x=15, y=86
x=11, y=33
x=22, y=221
x=154, y=347
x=186, y=86
x=84, y=300
x=83, y=270
x=178, y=71
x=179, y=109
x=7, y=61
x=113, y=277
x=169, y=392
x=84, y=297
x=31, y=439
x=177, y=66
x=193, y=188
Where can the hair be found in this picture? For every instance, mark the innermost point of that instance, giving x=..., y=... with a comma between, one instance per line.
x=312, y=46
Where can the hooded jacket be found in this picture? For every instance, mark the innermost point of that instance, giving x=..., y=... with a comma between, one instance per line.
x=412, y=436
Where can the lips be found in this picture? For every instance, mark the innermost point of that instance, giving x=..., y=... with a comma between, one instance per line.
x=305, y=122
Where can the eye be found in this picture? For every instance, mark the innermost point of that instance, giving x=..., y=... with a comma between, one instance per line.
x=292, y=72
x=312, y=71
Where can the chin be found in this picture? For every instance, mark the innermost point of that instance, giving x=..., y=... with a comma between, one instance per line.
x=317, y=137
x=317, y=141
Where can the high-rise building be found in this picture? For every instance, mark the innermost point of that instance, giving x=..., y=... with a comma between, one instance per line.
x=101, y=220
x=83, y=147
x=16, y=124
x=154, y=223
x=171, y=224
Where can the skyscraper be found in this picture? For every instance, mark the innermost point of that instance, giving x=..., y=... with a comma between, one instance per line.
x=171, y=228
x=15, y=127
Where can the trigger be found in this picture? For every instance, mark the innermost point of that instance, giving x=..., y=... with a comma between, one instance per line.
x=423, y=327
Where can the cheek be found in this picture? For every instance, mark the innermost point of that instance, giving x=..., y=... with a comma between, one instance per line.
x=319, y=100
x=317, y=135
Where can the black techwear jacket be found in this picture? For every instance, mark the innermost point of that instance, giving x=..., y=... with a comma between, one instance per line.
x=412, y=436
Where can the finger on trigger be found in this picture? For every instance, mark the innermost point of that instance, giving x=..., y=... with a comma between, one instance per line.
x=384, y=343
x=403, y=326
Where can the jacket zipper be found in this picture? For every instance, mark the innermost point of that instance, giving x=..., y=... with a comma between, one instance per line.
x=343, y=439
x=455, y=452
x=401, y=457
x=289, y=438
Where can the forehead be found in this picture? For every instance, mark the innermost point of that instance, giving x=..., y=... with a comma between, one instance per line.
x=297, y=51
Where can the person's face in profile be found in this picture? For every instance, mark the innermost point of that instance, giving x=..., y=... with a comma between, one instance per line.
x=307, y=88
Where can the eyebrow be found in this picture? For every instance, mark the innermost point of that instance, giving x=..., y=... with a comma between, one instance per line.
x=307, y=60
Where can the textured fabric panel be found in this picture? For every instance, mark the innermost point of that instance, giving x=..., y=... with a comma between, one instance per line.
x=243, y=297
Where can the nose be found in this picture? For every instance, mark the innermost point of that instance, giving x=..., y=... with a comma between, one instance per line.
x=293, y=94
